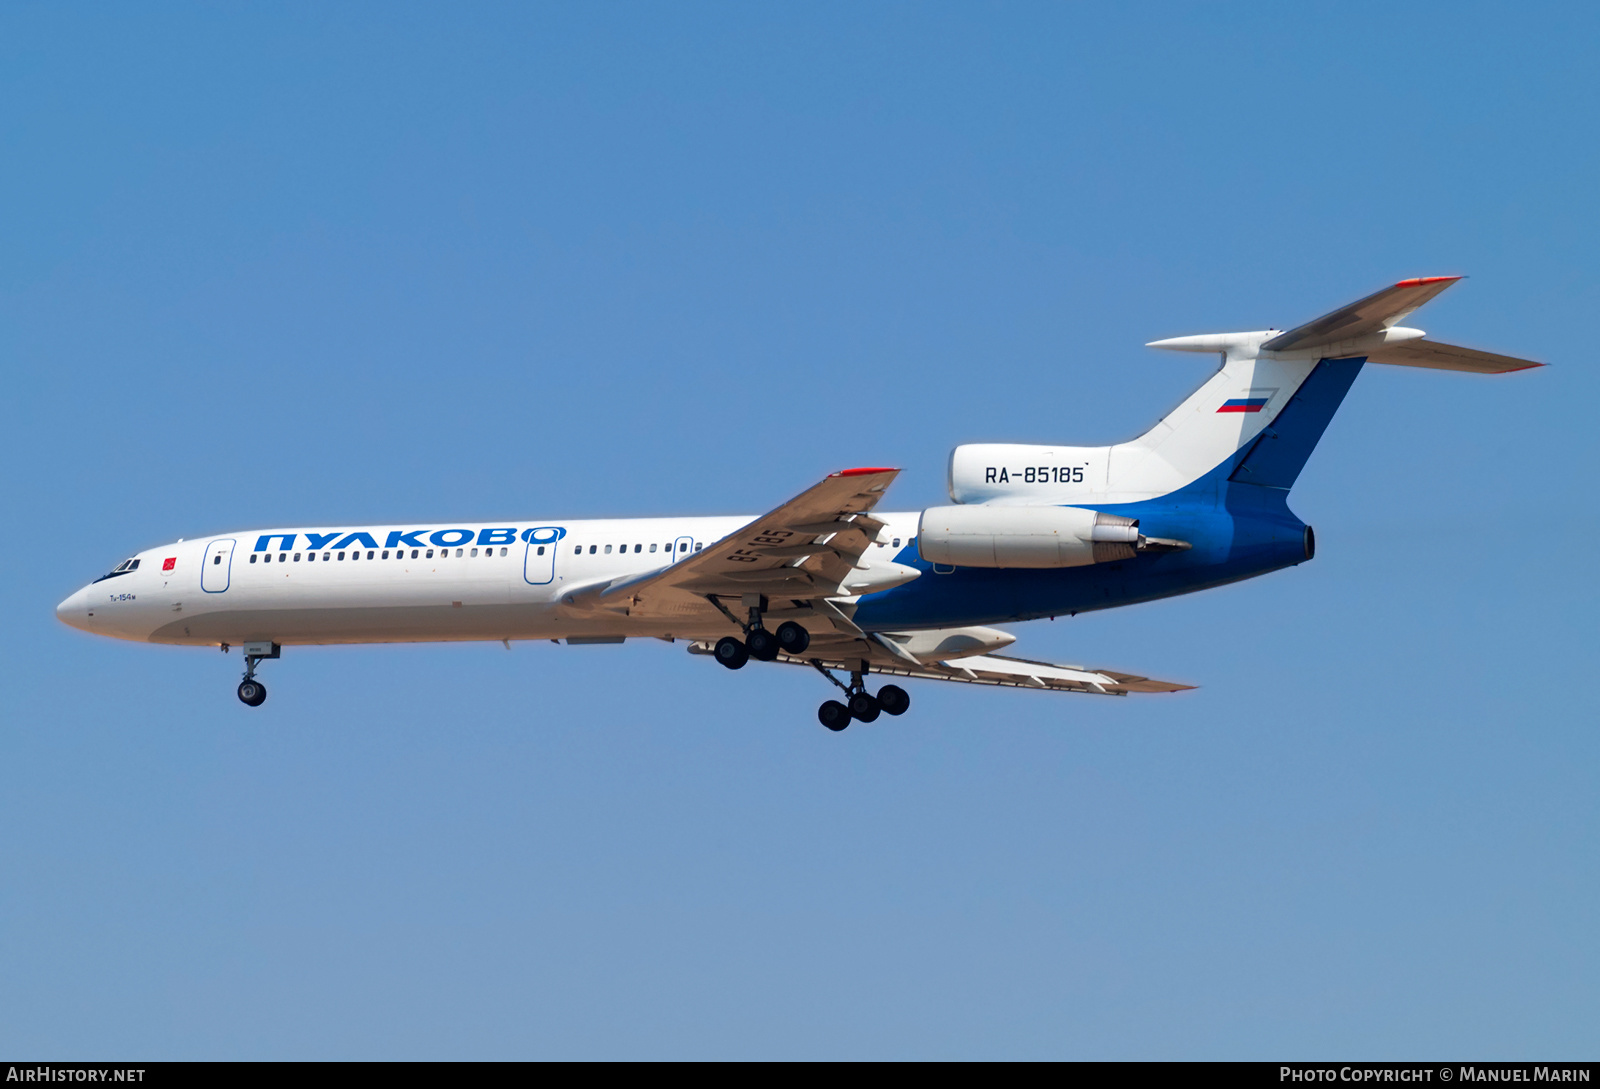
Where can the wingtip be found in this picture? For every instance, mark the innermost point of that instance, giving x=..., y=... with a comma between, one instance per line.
x=1421, y=280
x=865, y=471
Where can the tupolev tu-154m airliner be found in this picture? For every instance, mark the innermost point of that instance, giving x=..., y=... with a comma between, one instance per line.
x=826, y=580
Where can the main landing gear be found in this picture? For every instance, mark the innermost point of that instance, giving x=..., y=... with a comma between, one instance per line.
x=252, y=693
x=758, y=642
x=792, y=639
x=860, y=705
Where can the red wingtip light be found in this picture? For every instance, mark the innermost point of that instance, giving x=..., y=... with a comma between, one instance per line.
x=863, y=472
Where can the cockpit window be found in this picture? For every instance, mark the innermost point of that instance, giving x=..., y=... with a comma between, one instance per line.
x=121, y=569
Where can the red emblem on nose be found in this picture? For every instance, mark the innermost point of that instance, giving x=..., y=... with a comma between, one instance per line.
x=172, y=561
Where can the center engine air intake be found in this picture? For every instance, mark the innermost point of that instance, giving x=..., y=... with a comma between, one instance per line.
x=979, y=536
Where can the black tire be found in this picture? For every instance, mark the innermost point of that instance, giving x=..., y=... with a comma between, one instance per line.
x=893, y=699
x=793, y=638
x=252, y=693
x=763, y=645
x=834, y=715
x=730, y=652
x=863, y=707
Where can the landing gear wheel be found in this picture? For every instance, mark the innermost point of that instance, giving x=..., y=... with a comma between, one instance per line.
x=863, y=707
x=762, y=643
x=893, y=699
x=252, y=693
x=730, y=652
x=793, y=638
x=834, y=715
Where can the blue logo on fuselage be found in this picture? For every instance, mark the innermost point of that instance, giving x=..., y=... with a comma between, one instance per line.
x=416, y=538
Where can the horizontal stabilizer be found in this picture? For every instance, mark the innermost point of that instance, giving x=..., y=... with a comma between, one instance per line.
x=1373, y=314
x=1447, y=357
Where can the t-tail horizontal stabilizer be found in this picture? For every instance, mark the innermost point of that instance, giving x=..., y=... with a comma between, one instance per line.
x=1366, y=328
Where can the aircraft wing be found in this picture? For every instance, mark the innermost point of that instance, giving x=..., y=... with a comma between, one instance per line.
x=1372, y=314
x=805, y=549
x=870, y=654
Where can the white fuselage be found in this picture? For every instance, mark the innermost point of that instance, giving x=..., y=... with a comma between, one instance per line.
x=439, y=582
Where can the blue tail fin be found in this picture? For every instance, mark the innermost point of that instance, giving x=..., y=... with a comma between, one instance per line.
x=1281, y=450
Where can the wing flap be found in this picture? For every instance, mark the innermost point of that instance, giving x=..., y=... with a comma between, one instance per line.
x=844, y=653
x=804, y=549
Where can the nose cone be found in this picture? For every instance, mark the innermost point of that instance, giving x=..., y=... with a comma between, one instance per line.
x=74, y=612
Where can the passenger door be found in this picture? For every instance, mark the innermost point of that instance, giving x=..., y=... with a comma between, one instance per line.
x=539, y=565
x=216, y=570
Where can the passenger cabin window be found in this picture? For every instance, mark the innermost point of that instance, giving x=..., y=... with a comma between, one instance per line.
x=897, y=542
x=503, y=551
x=341, y=555
x=474, y=551
x=541, y=551
x=297, y=557
x=593, y=548
x=252, y=560
x=429, y=556
x=652, y=548
x=458, y=553
x=608, y=550
x=217, y=558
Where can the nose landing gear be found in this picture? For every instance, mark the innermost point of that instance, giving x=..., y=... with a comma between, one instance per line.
x=252, y=693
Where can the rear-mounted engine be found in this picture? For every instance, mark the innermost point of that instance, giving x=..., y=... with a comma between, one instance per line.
x=1030, y=537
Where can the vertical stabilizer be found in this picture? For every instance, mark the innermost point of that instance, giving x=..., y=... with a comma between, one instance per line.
x=1255, y=421
x=1218, y=421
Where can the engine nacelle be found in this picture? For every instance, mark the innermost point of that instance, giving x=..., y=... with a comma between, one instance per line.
x=979, y=536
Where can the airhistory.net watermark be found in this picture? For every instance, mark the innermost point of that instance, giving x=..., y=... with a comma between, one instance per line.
x=47, y=1072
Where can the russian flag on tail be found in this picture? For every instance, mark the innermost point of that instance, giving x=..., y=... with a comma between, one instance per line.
x=1244, y=404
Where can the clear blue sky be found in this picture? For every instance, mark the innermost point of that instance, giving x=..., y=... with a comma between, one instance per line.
x=336, y=263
